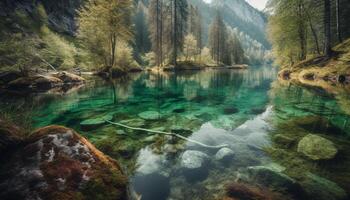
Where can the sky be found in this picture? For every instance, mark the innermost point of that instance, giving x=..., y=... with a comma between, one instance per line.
x=259, y=4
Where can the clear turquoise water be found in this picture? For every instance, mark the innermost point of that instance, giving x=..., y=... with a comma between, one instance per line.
x=242, y=109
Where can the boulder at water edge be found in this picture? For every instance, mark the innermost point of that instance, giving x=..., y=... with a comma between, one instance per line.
x=67, y=77
x=57, y=163
x=317, y=148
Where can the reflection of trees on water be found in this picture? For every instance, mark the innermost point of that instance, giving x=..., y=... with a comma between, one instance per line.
x=212, y=85
x=294, y=101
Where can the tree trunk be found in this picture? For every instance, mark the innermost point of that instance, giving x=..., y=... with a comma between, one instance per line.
x=301, y=31
x=327, y=28
x=175, y=34
x=338, y=20
x=313, y=31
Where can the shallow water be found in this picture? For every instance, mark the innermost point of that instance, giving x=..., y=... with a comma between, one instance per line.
x=244, y=110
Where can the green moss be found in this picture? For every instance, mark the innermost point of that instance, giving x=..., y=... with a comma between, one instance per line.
x=106, y=186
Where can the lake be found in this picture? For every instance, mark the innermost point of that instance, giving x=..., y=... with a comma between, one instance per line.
x=240, y=125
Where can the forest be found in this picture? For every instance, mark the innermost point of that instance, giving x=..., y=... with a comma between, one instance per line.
x=174, y=99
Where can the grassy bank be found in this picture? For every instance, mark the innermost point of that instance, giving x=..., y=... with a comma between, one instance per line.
x=330, y=74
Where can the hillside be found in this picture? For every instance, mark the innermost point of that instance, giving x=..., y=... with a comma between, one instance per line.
x=237, y=14
x=33, y=31
x=248, y=23
x=330, y=74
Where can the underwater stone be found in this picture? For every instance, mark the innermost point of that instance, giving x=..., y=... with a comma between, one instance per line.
x=317, y=148
x=283, y=140
x=133, y=122
x=180, y=130
x=230, y=110
x=194, y=159
x=194, y=165
x=256, y=111
x=323, y=189
x=91, y=124
x=150, y=115
x=272, y=177
x=224, y=154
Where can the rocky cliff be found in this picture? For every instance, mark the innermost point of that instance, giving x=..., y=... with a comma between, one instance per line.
x=61, y=13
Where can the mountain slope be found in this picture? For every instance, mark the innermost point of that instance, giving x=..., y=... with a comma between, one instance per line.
x=237, y=14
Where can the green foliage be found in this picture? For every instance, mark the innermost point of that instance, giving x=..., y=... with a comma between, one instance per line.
x=26, y=41
x=190, y=47
x=58, y=51
x=124, y=58
x=102, y=24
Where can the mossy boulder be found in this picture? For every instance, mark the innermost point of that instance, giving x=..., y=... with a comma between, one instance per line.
x=67, y=77
x=57, y=163
x=317, y=148
x=36, y=81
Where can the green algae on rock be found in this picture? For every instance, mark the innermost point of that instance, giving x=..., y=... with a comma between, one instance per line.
x=317, y=148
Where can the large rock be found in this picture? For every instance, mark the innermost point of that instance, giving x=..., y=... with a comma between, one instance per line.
x=67, y=77
x=317, y=148
x=320, y=188
x=37, y=81
x=194, y=159
x=270, y=177
x=10, y=135
x=57, y=163
x=150, y=115
x=194, y=165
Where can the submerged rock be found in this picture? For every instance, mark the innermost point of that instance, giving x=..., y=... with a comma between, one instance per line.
x=194, y=159
x=224, y=155
x=244, y=191
x=91, y=124
x=317, y=148
x=57, y=163
x=323, y=189
x=180, y=130
x=134, y=122
x=150, y=115
x=270, y=177
x=283, y=140
x=194, y=165
x=230, y=110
